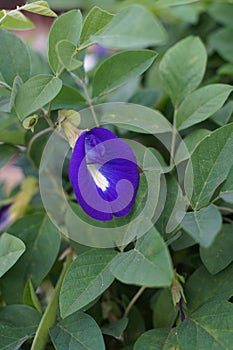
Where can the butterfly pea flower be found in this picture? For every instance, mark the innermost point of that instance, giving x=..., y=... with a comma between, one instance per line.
x=104, y=174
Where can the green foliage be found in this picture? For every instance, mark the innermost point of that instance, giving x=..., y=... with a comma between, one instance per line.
x=159, y=75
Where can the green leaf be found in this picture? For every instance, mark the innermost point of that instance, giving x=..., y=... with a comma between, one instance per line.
x=201, y=104
x=17, y=324
x=6, y=153
x=68, y=98
x=15, y=21
x=209, y=327
x=80, y=331
x=166, y=3
x=164, y=311
x=66, y=52
x=15, y=88
x=209, y=165
x=11, y=248
x=174, y=207
x=42, y=241
x=222, y=13
x=157, y=339
x=39, y=7
x=202, y=287
x=227, y=189
x=96, y=20
x=222, y=117
x=203, y=225
x=182, y=68
x=13, y=63
x=65, y=27
x=115, y=329
x=120, y=68
x=36, y=93
x=219, y=254
x=133, y=27
x=87, y=278
x=30, y=298
x=219, y=41
x=129, y=116
x=150, y=255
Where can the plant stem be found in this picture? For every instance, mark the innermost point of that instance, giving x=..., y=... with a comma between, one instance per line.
x=133, y=301
x=89, y=101
x=173, y=141
x=5, y=86
x=50, y=314
x=230, y=210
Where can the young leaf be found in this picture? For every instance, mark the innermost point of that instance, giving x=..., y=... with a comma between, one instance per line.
x=30, y=298
x=201, y=104
x=120, y=68
x=203, y=225
x=80, y=331
x=17, y=324
x=36, y=93
x=42, y=241
x=87, y=278
x=13, y=63
x=211, y=325
x=66, y=52
x=39, y=7
x=96, y=20
x=209, y=165
x=182, y=68
x=15, y=21
x=133, y=27
x=219, y=254
x=150, y=255
x=65, y=27
x=11, y=248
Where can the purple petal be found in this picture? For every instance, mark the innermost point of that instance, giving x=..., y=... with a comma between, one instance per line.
x=5, y=219
x=104, y=174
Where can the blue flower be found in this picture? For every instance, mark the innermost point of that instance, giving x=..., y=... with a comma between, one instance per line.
x=104, y=174
x=5, y=217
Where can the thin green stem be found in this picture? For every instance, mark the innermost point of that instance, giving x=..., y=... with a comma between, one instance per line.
x=89, y=101
x=173, y=141
x=9, y=13
x=50, y=315
x=230, y=210
x=46, y=115
x=133, y=301
x=5, y=86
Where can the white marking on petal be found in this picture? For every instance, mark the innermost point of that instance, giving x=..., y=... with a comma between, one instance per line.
x=99, y=178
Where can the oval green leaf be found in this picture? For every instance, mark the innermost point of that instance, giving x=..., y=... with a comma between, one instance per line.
x=80, y=331
x=120, y=68
x=182, y=68
x=150, y=255
x=87, y=278
x=36, y=93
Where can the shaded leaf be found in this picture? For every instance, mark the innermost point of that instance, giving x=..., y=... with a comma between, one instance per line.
x=17, y=324
x=6, y=153
x=219, y=41
x=11, y=248
x=87, y=278
x=203, y=225
x=115, y=329
x=219, y=254
x=157, y=339
x=80, y=331
x=12, y=63
x=30, y=298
